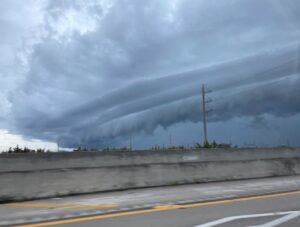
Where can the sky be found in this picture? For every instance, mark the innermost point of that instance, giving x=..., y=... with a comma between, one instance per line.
x=95, y=73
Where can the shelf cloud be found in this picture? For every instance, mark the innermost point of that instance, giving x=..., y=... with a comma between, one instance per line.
x=92, y=73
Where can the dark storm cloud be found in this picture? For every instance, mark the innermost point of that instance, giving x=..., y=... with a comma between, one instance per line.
x=175, y=98
x=136, y=66
x=146, y=94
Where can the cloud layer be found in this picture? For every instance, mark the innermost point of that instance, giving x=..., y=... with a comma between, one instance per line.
x=95, y=72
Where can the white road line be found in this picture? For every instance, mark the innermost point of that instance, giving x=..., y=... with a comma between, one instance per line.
x=287, y=216
x=281, y=220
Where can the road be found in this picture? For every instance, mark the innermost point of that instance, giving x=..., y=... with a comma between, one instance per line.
x=254, y=212
x=257, y=202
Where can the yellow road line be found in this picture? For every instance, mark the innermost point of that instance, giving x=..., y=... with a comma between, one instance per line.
x=158, y=208
x=66, y=205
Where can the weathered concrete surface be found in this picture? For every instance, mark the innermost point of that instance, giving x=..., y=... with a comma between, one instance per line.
x=29, y=176
x=42, y=161
x=16, y=214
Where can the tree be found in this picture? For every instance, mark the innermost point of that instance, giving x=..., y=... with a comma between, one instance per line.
x=206, y=145
x=214, y=144
x=17, y=149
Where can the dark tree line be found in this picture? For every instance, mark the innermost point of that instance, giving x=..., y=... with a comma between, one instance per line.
x=18, y=149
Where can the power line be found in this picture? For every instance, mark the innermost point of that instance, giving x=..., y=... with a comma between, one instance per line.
x=249, y=88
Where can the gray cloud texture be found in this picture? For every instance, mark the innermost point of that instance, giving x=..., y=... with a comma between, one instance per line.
x=92, y=73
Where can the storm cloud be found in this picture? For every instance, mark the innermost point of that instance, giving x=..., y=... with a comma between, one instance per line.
x=95, y=72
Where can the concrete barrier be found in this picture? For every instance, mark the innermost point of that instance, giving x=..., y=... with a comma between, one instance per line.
x=31, y=176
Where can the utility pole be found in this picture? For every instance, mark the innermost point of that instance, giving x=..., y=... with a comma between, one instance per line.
x=170, y=138
x=130, y=142
x=205, y=141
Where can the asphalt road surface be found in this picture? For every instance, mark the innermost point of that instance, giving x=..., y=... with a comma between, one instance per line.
x=259, y=212
x=258, y=202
